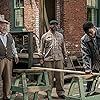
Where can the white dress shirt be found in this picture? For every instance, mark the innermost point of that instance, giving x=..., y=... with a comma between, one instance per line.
x=3, y=38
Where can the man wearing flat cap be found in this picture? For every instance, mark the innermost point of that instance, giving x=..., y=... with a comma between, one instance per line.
x=7, y=52
x=53, y=53
x=53, y=22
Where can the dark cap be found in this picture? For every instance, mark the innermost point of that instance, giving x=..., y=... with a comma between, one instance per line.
x=53, y=22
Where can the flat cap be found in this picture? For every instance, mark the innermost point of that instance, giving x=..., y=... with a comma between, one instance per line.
x=53, y=22
x=4, y=21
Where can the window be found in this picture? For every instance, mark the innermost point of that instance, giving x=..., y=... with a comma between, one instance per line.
x=92, y=10
x=19, y=13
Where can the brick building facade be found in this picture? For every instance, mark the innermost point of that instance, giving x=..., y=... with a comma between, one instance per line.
x=70, y=13
x=73, y=16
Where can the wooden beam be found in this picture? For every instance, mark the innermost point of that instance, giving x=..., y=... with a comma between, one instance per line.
x=41, y=69
x=30, y=49
x=46, y=18
x=41, y=11
x=62, y=70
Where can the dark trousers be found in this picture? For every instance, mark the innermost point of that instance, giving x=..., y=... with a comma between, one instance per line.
x=89, y=86
x=59, y=76
x=89, y=83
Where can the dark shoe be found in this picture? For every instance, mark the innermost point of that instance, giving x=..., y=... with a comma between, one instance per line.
x=62, y=96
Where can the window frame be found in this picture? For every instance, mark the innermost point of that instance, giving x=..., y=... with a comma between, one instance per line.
x=94, y=11
x=19, y=8
x=12, y=17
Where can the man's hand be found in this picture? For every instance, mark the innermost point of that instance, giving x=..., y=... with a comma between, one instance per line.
x=89, y=74
x=65, y=62
x=88, y=71
x=16, y=60
x=41, y=61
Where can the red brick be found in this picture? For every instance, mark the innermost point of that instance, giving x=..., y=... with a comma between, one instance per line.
x=73, y=17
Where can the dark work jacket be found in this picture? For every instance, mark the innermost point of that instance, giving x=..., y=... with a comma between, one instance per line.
x=90, y=48
x=6, y=52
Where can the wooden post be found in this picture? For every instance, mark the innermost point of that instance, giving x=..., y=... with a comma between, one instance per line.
x=41, y=10
x=44, y=25
x=30, y=49
x=46, y=18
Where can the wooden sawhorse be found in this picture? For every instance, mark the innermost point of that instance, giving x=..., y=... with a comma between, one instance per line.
x=20, y=84
x=82, y=95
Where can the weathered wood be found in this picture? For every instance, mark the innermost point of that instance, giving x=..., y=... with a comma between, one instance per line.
x=38, y=88
x=69, y=76
x=25, y=55
x=41, y=69
x=46, y=18
x=30, y=49
x=61, y=70
x=24, y=87
x=41, y=9
x=31, y=88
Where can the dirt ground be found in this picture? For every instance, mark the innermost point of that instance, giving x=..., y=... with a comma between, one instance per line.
x=41, y=94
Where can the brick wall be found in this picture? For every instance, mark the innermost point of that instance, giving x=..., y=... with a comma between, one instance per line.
x=57, y=12
x=4, y=9
x=29, y=15
x=73, y=16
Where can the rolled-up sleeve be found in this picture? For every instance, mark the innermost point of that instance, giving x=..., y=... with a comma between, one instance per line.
x=41, y=47
x=86, y=55
x=64, y=51
x=14, y=51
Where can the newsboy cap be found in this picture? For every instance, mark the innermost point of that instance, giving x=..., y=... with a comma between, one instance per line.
x=4, y=21
x=53, y=22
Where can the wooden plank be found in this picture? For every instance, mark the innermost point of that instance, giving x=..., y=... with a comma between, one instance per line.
x=61, y=70
x=38, y=88
x=89, y=76
x=41, y=69
x=41, y=24
x=46, y=18
x=17, y=89
x=25, y=55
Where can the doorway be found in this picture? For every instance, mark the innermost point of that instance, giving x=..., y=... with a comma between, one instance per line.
x=50, y=9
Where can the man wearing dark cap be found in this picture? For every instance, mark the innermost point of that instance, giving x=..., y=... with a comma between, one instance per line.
x=7, y=52
x=53, y=52
x=90, y=46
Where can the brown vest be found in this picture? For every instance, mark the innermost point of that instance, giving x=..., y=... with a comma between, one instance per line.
x=6, y=52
